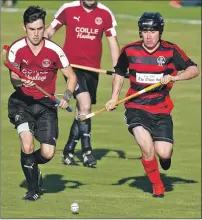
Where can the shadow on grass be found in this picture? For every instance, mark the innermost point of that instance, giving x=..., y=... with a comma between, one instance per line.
x=53, y=183
x=142, y=182
x=99, y=153
x=102, y=152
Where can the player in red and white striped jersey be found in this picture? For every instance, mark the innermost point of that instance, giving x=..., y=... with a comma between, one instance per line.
x=148, y=116
x=33, y=114
x=85, y=21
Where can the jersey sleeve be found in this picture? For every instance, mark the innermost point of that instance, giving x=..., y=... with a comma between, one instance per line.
x=181, y=60
x=122, y=64
x=62, y=61
x=110, y=25
x=13, y=57
x=59, y=18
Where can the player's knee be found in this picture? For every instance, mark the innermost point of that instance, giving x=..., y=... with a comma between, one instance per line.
x=84, y=108
x=165, y=155
x=27, y=142
x=148, y=152
x=47, y=152
x=164, y=152
x=146, y=147
x=26, y=137
x=46, y=158
x=27, y=149
x=27, y=146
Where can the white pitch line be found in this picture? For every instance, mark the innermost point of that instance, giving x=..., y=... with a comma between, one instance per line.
x=121, y=16
x=169, y=20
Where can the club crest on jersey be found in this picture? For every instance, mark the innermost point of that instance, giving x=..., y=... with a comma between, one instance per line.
x=98, y=21
x=46, y=63
x=161, y=60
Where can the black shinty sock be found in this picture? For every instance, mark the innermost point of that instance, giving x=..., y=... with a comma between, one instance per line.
x=30, y=169
x=73, y=138
x=39, y=158
x=85, y=134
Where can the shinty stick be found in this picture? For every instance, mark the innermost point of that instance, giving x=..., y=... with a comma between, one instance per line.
x=147, y=89
x=108, y=72
x=10, y=66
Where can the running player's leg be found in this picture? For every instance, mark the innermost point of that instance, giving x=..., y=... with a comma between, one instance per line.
x=68, y=152
x=85, y=95
x=85, y=126
x=46, y=133
x=140, y=127
x=163, y=140
x=164, y=150
x=74, y=135
x=28, y=162
x=20, y=116
x=84, y=107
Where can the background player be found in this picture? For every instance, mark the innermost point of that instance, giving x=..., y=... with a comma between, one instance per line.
x=85, y=22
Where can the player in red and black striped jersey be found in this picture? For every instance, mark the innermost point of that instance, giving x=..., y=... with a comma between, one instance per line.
x=148, y=117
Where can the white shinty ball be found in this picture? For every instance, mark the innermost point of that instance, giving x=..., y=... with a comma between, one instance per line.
x=75, y=207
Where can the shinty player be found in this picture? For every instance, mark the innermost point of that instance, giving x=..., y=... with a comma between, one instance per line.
x=148, y=117
x=86, y=22
x=33, y=114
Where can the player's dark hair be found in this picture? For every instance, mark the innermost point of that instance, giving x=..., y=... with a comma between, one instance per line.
x=151, y=21
x=33, y=13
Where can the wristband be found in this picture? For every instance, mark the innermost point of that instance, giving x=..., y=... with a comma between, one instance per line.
x=67, y=95
x=16, y=82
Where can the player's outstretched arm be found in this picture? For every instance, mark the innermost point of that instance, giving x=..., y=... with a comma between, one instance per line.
x=116, y=89
x=70, y=87
x=71, y=78
x=189, y=73
x=183, y=63
x=114, y=49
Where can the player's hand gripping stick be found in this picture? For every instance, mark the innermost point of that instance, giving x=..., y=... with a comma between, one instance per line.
x=10, y=66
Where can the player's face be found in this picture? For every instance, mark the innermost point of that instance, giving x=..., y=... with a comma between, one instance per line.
x=89, y=3
x=35, y=31
x=150, y=38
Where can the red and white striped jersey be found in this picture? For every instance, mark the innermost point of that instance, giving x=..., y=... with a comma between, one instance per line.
x=42, y=69
x=84, y=31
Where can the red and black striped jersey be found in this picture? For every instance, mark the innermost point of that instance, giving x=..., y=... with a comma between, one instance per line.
x=148, y=68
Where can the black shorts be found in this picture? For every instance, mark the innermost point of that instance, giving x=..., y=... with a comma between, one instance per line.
x=39, y=116
x=160, y=126
x=87, y=82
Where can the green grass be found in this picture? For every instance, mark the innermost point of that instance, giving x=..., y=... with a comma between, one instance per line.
x=118, y=187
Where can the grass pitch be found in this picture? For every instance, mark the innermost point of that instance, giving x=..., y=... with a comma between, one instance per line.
x=118, y=188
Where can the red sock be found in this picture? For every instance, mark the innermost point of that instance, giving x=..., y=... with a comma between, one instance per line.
x=152, y=171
